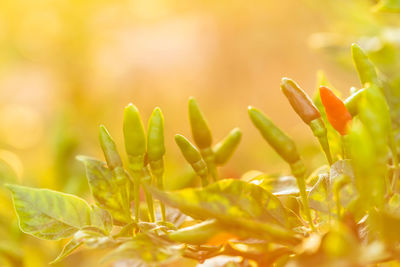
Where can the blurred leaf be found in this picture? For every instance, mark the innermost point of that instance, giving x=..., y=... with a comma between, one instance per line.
x=146, y=250
x=387, y=225
x=388, y=5
x=369, y=169
x=235, y=204
x=342, y=182
x=52, y=215
x=7, y=173
x=319, y=195
x=105, y=190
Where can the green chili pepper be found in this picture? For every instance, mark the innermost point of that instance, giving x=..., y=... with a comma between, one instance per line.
x=135, y=138
x=368, y=167
x=224, y=149
x=279, y=141
x=200, y=131
x=193, y=156
x=114, y=163
x=156, y=150
x=353, y=101
x=202, y=136
x=308, y=112
x=146, y=181
x=286, y=148
x=197, y=234
x=109, y=149
x=135, y=145
x=375, y=115
x=155, y=136
x=365, y=68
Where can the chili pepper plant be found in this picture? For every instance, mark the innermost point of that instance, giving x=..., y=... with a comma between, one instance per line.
x=344, y=213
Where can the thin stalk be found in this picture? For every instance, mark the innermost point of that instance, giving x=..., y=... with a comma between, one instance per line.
x=337, y=200
x=209, y=158
x=136, y=194
x=150, y=204
x=395, y=157
x=204, y=180
x=303, y=194
x=319, y=130
x=344, y=143
x=298, y=170
x=160, y=185
x=146, y=180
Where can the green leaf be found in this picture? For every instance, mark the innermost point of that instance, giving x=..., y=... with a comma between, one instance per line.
x=102, y=218
x=146, y=250
x=279, y=186
x=235, y=204
x=70, y=247
x=105, y=190
x=51, y=215
x=197, y=234
x=91, y=239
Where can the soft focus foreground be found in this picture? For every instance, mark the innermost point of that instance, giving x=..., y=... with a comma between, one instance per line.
x=66, y=67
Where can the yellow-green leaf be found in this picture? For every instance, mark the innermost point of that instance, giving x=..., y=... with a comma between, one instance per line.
x=48, y=214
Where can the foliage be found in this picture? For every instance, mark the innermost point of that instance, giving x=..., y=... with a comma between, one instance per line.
x=345, y=213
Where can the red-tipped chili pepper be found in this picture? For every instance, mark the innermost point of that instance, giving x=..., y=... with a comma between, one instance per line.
x=337, y=113
x=299, y=100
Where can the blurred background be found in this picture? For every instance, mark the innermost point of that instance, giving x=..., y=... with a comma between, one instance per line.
x=67, y=66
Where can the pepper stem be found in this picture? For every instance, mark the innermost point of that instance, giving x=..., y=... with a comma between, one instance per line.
x=395, y=157
x=209, y=157
x=319, y=130
x=160, y=185
x=298, y=170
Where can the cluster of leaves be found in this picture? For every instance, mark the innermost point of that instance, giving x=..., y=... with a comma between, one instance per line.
x=344, y=213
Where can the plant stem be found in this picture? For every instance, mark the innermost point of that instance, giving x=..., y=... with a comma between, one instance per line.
x=319, y=130
x=160, y=185
x=395, y=157
x=136, y=195
x=209, y=158
x=146, y=180
x=298, y=170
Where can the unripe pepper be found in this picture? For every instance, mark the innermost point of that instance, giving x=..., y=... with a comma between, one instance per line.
x=365, y=68
x=135, y=145
x=307, y=111
x=286, y=148
x=337, y=113
x=114, y=163
x=353, y=101
x=135, y=138
x=156, y=149
x=202, y=136
x=224, y=149
x=200, y=131
x=279, y=141
x=193, y=156
x=109, y=149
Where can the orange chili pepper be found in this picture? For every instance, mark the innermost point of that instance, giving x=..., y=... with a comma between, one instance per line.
x=337, y=113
